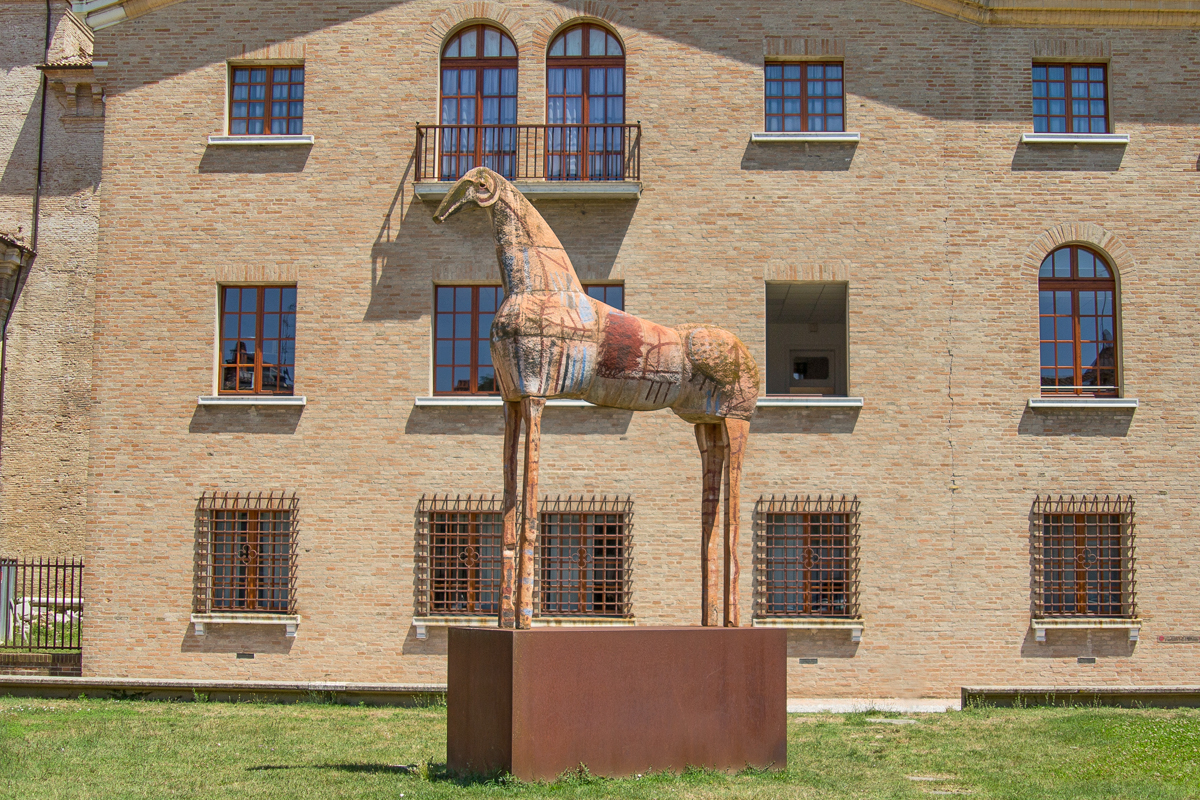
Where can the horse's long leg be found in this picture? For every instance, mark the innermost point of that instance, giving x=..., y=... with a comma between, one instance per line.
x=531, y=411
x=512, y=439
x=712, y=455
x=737, y=431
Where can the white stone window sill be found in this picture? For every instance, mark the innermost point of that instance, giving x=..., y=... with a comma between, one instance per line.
x=292, y=621
x=793, y=401
x=783, y=137
x=1083, y=402
x=855, y=626
x=1075, y=138
x=485, y=401
x=547, y=190
x=259, y=139
x=1040, y=626
x=252, y=400
x=422, y=624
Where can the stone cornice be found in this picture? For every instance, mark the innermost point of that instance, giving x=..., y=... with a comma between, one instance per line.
x=1008, y=13
x=1070, y=13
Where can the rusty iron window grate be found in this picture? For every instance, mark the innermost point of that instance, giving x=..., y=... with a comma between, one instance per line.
x=1084, y=557
x=41, y=604
x=459, y=556
x=245, y=558
x=806, y=556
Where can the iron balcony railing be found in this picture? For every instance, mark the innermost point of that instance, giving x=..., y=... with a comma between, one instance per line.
x=531, y=152
x=41, y=604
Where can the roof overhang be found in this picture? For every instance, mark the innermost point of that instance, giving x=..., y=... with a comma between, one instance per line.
x=1010, y=13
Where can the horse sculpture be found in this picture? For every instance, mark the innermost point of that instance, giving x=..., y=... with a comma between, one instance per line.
x=550, y=339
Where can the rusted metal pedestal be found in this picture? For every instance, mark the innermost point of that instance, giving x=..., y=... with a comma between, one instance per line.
x=537, y=703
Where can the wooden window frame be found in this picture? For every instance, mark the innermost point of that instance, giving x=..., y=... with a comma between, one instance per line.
x=459, y=542
x=560, y=142
x=1078, y=544
x=795, y=577
x=221, y=574
x=464, y=146
x=258, y=365
x=804, y=115
x=478, y=336
x=268, y=117
x=1068, y=98
x=1075, y=285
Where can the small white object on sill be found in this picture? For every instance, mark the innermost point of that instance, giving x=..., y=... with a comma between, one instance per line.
x=1040, y=626
x=252, y=400
x=1075, y=138
x=1083, y=402
x=216, y=140
x=290, y=621
x=809, y=401
x=422, y=624
x=855, y=626
x=784, y=137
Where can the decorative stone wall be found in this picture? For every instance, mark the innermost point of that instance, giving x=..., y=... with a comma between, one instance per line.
x=931, y=219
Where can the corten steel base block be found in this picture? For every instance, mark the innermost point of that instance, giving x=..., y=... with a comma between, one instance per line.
x=537, y=703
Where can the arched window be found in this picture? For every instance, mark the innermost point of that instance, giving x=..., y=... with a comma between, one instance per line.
x=479, y=95
x=585, y=105
x=1077, y=295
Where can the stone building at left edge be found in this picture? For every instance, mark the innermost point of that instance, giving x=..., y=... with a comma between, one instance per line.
x=51, y=138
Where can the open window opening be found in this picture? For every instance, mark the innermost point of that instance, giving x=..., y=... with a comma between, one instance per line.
x=806, y=339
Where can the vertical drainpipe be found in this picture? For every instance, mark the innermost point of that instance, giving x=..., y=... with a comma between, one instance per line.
x=23, y=275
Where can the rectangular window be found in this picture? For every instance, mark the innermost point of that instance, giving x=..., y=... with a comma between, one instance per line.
x=582, y=560
x=266, y=100
x=806, y=557
x=583, y=551
x=462, y=341
x=806, y=339
x=1084, y=557
x=1070, y=98
x=246, y=553
x=805, y=97
x=258, y=339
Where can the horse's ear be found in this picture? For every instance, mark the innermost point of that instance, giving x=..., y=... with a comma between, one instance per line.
x=487, y=189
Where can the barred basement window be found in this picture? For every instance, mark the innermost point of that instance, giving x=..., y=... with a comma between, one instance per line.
x=1084, y=559
x=806, y=557
x=582, y=561
x=246, y=553
x=584, y=556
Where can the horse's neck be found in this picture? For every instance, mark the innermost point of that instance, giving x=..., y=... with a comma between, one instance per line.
x=531, y=257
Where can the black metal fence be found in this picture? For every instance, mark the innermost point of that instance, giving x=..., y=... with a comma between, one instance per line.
x=540, y=152
x=41, y=604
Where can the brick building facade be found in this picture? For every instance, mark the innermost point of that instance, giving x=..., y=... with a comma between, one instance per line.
x=874, y=230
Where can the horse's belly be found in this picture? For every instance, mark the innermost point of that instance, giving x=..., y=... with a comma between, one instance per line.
x=639, y=364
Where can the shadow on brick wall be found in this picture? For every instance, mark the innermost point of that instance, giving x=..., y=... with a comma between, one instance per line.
x=1098, y=643
x=799, y=156
x=489, y=421
x=821, y=644
x=804, y=420
x=237, y=639
x=1075, y=422
x=1062, y=158
x=245, y=419
x=254, y=159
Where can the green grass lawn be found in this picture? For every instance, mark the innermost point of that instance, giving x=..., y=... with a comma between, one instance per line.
x=115, y=749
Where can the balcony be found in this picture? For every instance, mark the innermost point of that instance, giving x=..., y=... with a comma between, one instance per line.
x=543, y=161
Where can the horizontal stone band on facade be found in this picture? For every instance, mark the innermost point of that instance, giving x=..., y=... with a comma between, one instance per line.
x=547, y=190
x=252, y=400
x=854, y=626
x=291, y=621
x=422, y=624
x=259, y=140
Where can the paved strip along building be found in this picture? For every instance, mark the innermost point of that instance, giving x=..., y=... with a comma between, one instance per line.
x=956, y=236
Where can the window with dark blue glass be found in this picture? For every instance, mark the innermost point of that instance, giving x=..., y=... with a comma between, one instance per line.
x=462, y=350
x=805, y=97
x=258, y=339
x=1070, y=98
x=267, y=100
x=479, y=96
x=1078, y=323
x=612, y=294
